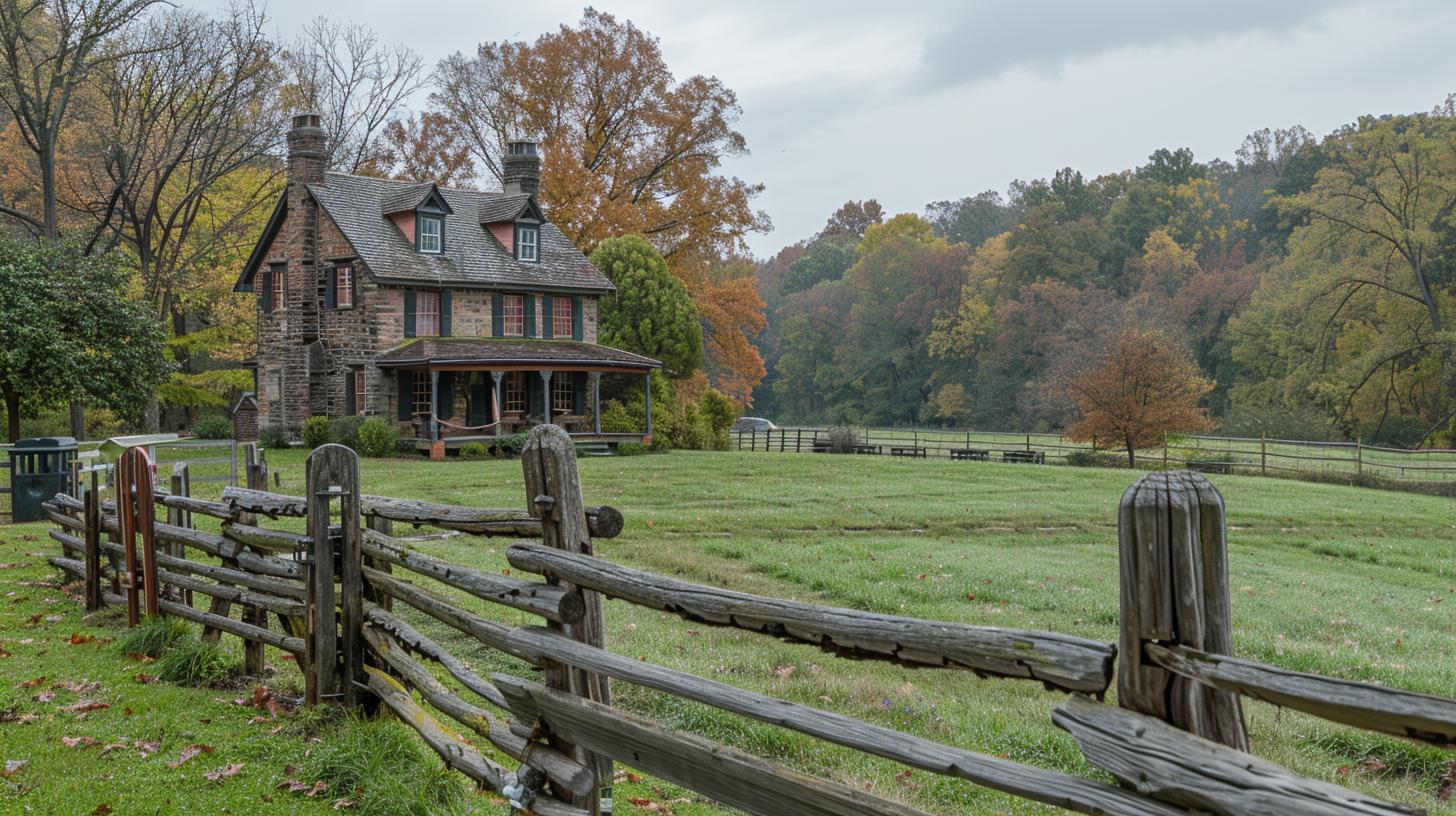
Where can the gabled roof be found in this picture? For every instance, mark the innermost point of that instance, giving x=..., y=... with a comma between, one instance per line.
x=507, y=208
x=508, y=351
x=413, y=197
x=472, y=257
x=255, y=260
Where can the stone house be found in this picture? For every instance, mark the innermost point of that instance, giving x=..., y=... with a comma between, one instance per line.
x=459, y=314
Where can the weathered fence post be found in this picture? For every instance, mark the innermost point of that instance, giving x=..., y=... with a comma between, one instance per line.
x=1174, y=574
x=177, y=517
x=553, y=494
x=91, y=504
x=1263, y=454
x=383, y=526
x=333, y=473
x=256, y=474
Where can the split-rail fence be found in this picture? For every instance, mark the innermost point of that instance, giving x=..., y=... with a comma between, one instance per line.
x=345, y=590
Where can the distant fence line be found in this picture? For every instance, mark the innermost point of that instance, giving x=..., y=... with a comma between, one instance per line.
x=1225, y=454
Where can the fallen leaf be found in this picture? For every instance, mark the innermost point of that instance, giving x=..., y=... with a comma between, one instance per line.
x=77, y=638
x=101, y=810
x=225, y=772
x=146, y=749
x=1447, y=787
x=189, y=752
x=85, y=705
x=79, y=742
x=13, y=767
x=77, y=688
x=145, y=678
x=33, y=683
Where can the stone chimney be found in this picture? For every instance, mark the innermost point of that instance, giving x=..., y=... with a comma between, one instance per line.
x=521, y=167
x=307, y=149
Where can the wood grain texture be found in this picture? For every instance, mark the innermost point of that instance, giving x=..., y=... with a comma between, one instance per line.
x=1049, y=787
x=247, y=631
x=281, y=606
x=558, y=767
x=552, y=602
x=1059, y=661
x=725, y=774
x=411, y=639
x=486, y=631
x=1422, y=717
x=1173, y=560
x=604, y=522
x=1162, y=761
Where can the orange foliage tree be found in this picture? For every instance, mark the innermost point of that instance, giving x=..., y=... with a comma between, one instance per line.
x=1143, y=387
x=627, y=149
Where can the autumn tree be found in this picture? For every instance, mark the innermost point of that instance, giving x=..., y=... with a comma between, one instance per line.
x=651, y=312
x=1143, y=387
x=428, y=148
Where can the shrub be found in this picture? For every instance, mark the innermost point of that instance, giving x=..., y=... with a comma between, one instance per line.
x=272, y=437
x=345, y=431
x=213, y=426
x=377, y=437
x=509, y=446
x=192, y=661
x=385, y=770
x=153, y=636
x=842, y=439
x=1097, y=459
x=315, y=432
x=474, y=451
x=718, y=411
x=632, y=449
x=617, y=419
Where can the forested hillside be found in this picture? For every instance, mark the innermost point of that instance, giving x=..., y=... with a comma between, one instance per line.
x=1310, y=279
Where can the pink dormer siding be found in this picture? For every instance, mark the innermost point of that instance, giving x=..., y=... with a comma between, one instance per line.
x=505, y=232
x=406, y=223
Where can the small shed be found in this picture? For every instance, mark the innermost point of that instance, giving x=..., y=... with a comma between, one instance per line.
x=245, y=418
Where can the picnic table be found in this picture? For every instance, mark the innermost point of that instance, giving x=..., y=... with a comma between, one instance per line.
x=913, y=451
x=1024, y=457
x=970, y=454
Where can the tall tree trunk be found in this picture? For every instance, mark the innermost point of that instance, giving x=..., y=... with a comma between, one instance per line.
x=1131, y=452
x=78, y=419
x=47, y=157
x=12, y=411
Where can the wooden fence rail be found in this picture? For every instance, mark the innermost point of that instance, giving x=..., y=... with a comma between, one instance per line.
x=348, y=595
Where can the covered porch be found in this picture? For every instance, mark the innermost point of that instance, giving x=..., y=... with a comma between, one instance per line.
x=454, y=391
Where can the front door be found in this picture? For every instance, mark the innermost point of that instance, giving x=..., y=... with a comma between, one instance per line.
x=478, y=404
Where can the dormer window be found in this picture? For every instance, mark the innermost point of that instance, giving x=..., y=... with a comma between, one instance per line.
x=430, y=234
x=528, y=242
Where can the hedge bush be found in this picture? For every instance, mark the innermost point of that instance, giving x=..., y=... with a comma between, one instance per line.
x=377, y=437
x=272, y=437
x=316, y=432
x=213, y=426
x=474, y=451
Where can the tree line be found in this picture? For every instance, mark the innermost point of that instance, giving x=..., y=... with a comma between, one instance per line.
x=1304, y=290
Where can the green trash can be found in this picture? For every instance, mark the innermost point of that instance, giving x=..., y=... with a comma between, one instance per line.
x=39, y=469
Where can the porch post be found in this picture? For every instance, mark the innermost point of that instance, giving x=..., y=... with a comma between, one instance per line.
x=434, y=404
x=596, y=381
x=546, y=396
x=495, y=376
x=649, y=402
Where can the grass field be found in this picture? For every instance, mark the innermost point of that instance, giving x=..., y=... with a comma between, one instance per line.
x=1339, y=580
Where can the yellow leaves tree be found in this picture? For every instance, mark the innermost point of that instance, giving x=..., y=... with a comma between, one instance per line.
x=1143, y=387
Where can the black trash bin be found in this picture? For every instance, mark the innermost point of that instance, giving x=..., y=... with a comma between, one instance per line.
x=39, y=469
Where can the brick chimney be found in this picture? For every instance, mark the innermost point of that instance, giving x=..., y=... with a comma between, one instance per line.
x=521, y=167
x=307, y=149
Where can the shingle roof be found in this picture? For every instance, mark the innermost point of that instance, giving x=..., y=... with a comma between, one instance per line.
x=406, y=198
x=472, y=256
x=503, y=208
x=507, y=350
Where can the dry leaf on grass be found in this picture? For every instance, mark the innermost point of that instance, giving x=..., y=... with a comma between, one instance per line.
x=189, y=752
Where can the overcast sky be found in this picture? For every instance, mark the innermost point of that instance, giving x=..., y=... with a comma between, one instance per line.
x=916, y=102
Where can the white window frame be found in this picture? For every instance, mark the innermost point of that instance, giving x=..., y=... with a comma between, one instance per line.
x=437, y=237
x=344, y=286
x=528, y=250
x=422, y=328
x=519, y=301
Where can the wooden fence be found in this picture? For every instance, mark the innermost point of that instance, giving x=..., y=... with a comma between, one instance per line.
x=348, y=594
x=1260, y=455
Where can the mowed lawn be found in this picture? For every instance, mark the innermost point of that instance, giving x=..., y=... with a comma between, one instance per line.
x=1343, y=581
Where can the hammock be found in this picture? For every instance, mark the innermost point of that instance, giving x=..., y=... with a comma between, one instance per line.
x=444, y=423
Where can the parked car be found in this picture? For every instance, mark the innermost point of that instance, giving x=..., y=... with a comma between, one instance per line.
x=746, y=424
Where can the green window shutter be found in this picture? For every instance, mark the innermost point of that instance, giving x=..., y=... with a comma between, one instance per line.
x=548, y=330
x=445, y=298
x=406, y=394
x=266, y=281
x=331, y=288
x=577, y=333
x=409, y=313
x=578, y=392
x=349, y=407
x=497, y=317
x=445, y=404
x=529, y=301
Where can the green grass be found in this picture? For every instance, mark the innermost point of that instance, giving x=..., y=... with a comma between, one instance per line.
x=1338, y=580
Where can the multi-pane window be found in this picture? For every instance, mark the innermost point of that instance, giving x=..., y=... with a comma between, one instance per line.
x=427, y=314
x=421, y=394
x=431, y=234
x=344, y=286
x=561, y=317
x=527, y=242
x=513, y=314
x=358, y=386
x=563, y=393
x=516, y=391
x=278, y=272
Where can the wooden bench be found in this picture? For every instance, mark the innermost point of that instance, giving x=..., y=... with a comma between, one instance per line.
x=970, y=454
x=1024, y=457
x=1211, y=467
x=907, y=450
x=873, y=450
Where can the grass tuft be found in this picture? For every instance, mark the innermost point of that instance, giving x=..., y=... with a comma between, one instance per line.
x=192, y=661
x=153, y=636
x=384, y=770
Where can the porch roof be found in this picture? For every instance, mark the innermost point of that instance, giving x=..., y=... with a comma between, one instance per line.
x=500, y=354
